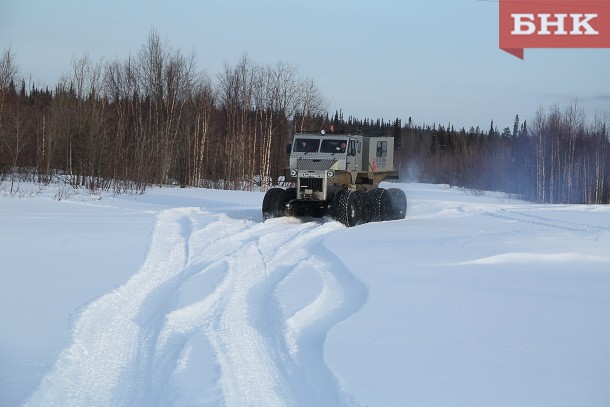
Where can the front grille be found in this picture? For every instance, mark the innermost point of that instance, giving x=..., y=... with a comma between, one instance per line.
x=314, y=165
x=314, y=184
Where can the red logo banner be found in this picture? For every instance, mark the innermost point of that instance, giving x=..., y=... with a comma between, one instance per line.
x=553, y=24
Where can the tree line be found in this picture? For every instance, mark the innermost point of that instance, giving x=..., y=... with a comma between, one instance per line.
x=154, y=119
x=559, y=158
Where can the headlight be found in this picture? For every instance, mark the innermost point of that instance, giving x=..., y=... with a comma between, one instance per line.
x=330, y=174
x=293, y=172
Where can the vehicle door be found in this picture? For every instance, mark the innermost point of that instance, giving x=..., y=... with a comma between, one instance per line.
x=353, y=147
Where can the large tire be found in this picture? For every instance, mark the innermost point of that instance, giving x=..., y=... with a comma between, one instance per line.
x=346, y=208
x=399, y=203
x=381, y=205
x=274, y=203
x=366, y=207
x=291, y=193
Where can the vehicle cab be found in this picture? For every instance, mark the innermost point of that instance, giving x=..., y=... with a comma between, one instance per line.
x=321, y=163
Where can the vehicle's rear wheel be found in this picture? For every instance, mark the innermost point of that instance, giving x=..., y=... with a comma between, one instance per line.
x=388, y=204
x=399, y=203
x=381, y=204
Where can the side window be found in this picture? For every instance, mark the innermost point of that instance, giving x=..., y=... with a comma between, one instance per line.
x=382, y=149
x=352, y=147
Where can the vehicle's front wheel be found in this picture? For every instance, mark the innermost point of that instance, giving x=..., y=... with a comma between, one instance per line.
x=274, y=203
x=346, y=208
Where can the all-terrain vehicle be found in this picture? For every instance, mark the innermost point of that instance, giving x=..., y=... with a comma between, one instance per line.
x=338, y=175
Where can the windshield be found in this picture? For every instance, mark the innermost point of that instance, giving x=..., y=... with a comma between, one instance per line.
x=306, y=145
x=333, y=146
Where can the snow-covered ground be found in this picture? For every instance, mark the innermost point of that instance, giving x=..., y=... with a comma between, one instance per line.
x=185, y=297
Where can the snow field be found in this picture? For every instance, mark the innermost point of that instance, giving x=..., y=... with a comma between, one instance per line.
x=469, y=301
x=128, y=345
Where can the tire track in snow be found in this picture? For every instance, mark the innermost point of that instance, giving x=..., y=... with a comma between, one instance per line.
x=246, y=326
x=112, y=360
x=251, y=335
x=242, y=269
x=560, y=223
x=528, y=218
x=114, y=337
x=128, y=343
x=342, y=295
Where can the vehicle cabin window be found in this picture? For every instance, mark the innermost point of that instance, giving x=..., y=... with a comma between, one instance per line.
x=333, y=146
x=306, y=145
x=352, y=146
x=382, y=149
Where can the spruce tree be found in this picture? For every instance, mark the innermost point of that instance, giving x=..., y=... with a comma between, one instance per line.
x=516, y=127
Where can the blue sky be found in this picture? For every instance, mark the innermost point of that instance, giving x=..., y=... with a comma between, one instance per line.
x=436, y=61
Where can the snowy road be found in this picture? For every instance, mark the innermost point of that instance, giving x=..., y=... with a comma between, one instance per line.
x=127, y=344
